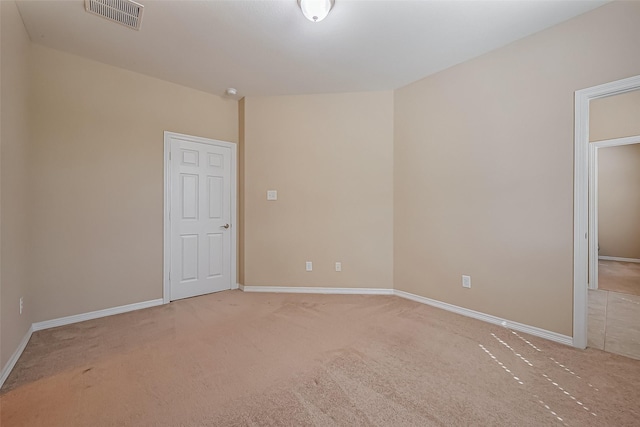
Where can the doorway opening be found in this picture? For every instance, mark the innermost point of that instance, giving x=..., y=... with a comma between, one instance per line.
x=582, y=177
x=614, y=217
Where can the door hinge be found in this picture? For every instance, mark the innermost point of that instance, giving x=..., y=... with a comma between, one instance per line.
x=169, y=275
x=169, y=155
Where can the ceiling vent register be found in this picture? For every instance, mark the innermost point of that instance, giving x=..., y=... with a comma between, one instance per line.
x=125, y=12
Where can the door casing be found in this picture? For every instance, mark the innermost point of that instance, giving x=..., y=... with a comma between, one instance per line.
x=168, y=136
x=581, y=198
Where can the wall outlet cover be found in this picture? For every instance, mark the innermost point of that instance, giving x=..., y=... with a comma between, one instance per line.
x=466, y=281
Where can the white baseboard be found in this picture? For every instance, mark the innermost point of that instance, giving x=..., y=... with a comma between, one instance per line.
x=38, y=326
x=8, y=367
x=241, y=287
x=615, y=258
x=317, y=290
x=531, y=330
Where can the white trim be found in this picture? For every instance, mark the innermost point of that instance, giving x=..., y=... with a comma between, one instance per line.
x=531, y=330
x=8, y=367
x=166, y=284
x=62, y=321
x=617, y=258
x=581, y=198
x=38, y=326
x=166, y=234
x=318, y=290
x=616, y=142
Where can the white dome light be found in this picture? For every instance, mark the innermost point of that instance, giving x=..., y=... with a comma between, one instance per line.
x=315, y=10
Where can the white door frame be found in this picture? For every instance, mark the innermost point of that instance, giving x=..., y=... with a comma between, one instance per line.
x=581, y=198
x=166, y=289
x=594, y=149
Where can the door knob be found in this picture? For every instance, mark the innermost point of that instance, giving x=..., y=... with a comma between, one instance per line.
x=225, y=226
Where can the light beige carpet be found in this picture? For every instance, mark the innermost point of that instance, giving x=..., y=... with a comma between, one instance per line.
x=232, y=359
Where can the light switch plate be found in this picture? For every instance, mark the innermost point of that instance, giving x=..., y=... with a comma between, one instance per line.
x=272, y=195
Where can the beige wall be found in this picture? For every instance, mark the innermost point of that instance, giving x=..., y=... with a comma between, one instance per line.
x=330, y=157
x=97, y=192
x=484, y=169
x=619, y=201
x=240, y=236
x=2, y=363
x=615, y=116
x=14, y=135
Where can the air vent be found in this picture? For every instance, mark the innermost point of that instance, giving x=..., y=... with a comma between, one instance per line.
x=125, y=12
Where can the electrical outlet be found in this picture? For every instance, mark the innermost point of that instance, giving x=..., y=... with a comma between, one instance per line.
x=466, y=281
x=309, y=266
x=21, y=305
x=338, y=266
x=272, y=195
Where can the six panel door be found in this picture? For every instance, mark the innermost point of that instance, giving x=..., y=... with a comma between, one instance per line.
x=200, y=216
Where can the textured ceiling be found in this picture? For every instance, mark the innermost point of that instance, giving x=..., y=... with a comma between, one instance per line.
x=267, y=47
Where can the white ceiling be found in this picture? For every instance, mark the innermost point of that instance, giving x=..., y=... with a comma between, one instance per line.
x=267, y=47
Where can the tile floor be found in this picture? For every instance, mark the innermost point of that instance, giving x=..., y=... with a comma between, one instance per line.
x=617, y=276
x=614, y=322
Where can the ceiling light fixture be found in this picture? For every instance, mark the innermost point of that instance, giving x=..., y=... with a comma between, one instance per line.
x=315, y=10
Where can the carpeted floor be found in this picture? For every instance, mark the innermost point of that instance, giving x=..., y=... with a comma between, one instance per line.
x=234, y=358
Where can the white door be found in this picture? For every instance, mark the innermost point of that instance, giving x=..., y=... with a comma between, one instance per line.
x=200, y=217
